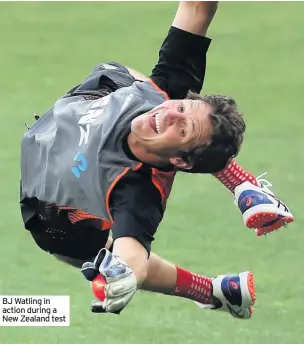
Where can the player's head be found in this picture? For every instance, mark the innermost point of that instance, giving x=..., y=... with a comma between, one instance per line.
x=199, y=134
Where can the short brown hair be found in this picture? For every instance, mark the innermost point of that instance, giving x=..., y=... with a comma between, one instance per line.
x=228, y=129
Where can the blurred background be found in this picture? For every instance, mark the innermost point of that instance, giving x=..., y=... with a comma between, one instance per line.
x=257, y=57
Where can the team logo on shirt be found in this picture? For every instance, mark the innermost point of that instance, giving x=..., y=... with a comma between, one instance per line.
x=84, y=125
x=81, y=166
x=87, y=120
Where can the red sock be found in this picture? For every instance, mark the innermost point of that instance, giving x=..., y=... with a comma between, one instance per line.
x=234, y=175
x=193, y=286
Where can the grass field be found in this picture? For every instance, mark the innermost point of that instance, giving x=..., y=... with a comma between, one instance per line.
x=257, y=56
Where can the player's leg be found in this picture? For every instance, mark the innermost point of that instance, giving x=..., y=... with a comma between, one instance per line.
x=261, y=209
x=233, y=293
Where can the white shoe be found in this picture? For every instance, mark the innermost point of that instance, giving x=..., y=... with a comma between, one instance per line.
x=234, y=294
x=261, y=209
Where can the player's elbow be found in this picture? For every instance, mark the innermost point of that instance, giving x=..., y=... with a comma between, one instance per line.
x=134, y=254
x=140, y=270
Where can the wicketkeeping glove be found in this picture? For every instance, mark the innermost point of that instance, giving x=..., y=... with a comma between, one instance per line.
x=121, y=283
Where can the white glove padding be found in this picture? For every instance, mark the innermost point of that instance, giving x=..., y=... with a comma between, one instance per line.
x=119, y=293
x=121, y=283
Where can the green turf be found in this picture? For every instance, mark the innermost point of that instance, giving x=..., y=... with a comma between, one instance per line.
x=257, y=56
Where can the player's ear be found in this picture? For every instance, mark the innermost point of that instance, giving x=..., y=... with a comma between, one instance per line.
x=179, y=162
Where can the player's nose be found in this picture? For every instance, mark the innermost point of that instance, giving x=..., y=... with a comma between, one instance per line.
x=172, y=116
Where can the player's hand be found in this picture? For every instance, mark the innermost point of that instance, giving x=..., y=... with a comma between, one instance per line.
x=121, y=283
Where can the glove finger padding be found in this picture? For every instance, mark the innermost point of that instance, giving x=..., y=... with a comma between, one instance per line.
x=121, y=287
x=118, y=304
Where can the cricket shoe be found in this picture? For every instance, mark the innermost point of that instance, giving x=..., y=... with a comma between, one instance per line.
x=261, y=209
x=234, y=294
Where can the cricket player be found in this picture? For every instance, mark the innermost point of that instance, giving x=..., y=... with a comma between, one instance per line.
x=104, y=156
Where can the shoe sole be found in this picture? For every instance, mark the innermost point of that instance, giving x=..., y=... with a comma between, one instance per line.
x=282, y=222
x=257, y=219
x=248, y=291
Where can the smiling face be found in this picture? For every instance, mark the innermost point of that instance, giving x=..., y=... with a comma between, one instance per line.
x=176, y=125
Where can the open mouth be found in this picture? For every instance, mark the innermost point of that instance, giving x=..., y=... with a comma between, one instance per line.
x=155, y=123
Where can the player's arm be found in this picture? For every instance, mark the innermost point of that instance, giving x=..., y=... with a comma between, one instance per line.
x=195, y=16
x=137, y=212
x=182, y=58
x=136, y=209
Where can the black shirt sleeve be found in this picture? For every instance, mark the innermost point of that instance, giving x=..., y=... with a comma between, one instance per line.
x=182, y=63
x=136, y=209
